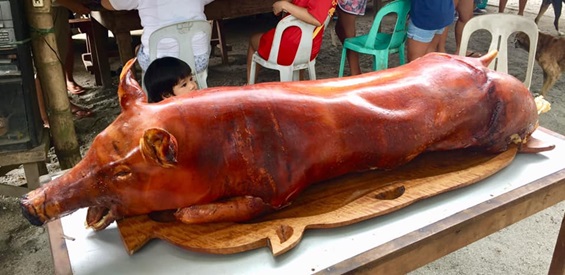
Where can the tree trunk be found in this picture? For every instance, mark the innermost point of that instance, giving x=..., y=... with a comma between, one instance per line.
x=50, y=73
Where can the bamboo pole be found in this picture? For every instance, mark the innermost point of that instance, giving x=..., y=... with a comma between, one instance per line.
x=50, y=72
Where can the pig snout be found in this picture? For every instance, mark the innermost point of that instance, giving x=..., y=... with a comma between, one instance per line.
x=31, y=217
x=35, y=216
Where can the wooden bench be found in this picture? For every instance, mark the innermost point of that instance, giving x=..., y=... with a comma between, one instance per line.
x=33, y=162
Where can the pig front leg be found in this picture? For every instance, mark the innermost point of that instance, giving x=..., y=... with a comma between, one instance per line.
x=232, y=210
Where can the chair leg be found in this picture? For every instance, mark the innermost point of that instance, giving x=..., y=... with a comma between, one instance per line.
x=402, y=53
x=201, y=79
x=287, y=74
x=252, y=72
x=312, y=70
x=342, y=63
x=295, y=75
x=380, y=61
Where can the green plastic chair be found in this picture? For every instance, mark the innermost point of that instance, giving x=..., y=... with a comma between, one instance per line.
x=380, y=44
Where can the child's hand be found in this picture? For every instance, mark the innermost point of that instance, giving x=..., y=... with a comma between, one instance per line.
x=279, y=7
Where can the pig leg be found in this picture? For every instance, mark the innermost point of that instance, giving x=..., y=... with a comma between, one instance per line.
x=232, y=210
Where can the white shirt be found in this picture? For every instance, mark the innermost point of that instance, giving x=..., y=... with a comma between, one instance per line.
x=157, y=13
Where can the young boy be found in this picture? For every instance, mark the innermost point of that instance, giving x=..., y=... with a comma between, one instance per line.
x=166, y=77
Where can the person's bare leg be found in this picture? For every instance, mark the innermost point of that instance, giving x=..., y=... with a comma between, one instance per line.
x=68, y=67
x=76, y=110
x=345, y=28
x=442, y=41
x=41, y=103
x=433, y=45
x=253, y=46
x=522, y=6
x=502, y=5
x=415, y=49
x=465, y=10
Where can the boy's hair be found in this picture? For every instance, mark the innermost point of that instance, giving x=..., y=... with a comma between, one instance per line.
x=162, y=75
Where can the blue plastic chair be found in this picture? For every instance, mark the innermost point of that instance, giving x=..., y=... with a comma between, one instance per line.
x=380, y=44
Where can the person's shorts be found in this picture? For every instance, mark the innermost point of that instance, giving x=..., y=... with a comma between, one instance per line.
x=356, y=7
x=421, y=35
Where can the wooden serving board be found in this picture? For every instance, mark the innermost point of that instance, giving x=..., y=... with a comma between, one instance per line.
x=339, y=202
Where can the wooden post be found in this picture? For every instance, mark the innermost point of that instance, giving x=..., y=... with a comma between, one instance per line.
x=50, y=73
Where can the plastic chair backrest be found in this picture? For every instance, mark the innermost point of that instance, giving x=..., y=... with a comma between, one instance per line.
x=501, y=26
x=401, y=8
x=182, y=32
x=304, y=47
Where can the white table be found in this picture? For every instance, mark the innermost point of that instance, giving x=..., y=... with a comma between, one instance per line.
x=401, y=241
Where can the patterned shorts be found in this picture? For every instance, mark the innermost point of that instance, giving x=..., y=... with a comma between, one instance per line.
x=356, y=7
x=200, y=61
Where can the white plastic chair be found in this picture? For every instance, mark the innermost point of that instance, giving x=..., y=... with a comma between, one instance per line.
x=182, y=32
x=301, y=60
x=501, y=26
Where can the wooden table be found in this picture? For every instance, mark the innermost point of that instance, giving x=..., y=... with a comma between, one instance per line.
x=392, y=244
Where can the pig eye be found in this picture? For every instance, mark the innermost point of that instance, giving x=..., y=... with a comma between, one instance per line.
x=122, y=173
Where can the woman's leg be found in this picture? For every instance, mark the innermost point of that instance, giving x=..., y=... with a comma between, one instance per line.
x=465, y=10
x=345, y=28
x=416, y=49
x=68, y=67
x=433, y=45
x=253, y=46
x=502, y=5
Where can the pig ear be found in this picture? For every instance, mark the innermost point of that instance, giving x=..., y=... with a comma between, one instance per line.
x=159, y=146
x=129, y=91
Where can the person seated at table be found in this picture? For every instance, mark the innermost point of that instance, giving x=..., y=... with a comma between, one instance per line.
x=168, y=76
x=312, y=12
x=428, y=20
x=156, y=14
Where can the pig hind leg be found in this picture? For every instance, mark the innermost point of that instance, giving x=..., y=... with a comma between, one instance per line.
x=232, y=210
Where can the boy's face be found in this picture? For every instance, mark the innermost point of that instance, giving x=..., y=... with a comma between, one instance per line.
x=185, y=85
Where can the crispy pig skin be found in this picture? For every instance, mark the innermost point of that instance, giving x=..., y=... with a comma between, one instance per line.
x=259, y=146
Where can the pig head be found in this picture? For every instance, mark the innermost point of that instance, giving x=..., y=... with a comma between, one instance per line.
x=233, y=153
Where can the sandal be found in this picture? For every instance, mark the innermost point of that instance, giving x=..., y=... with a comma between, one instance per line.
x=75, y=89
x=473, y=54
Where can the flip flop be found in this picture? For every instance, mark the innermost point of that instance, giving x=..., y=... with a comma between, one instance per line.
x=76, y=90
x=473, y=54
x=82, y=113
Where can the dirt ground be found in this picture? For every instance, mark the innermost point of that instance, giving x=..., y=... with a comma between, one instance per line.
x=519, y=249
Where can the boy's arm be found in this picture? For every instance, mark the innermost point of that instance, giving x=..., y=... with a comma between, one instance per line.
x=75, y=6
x=298, y=12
